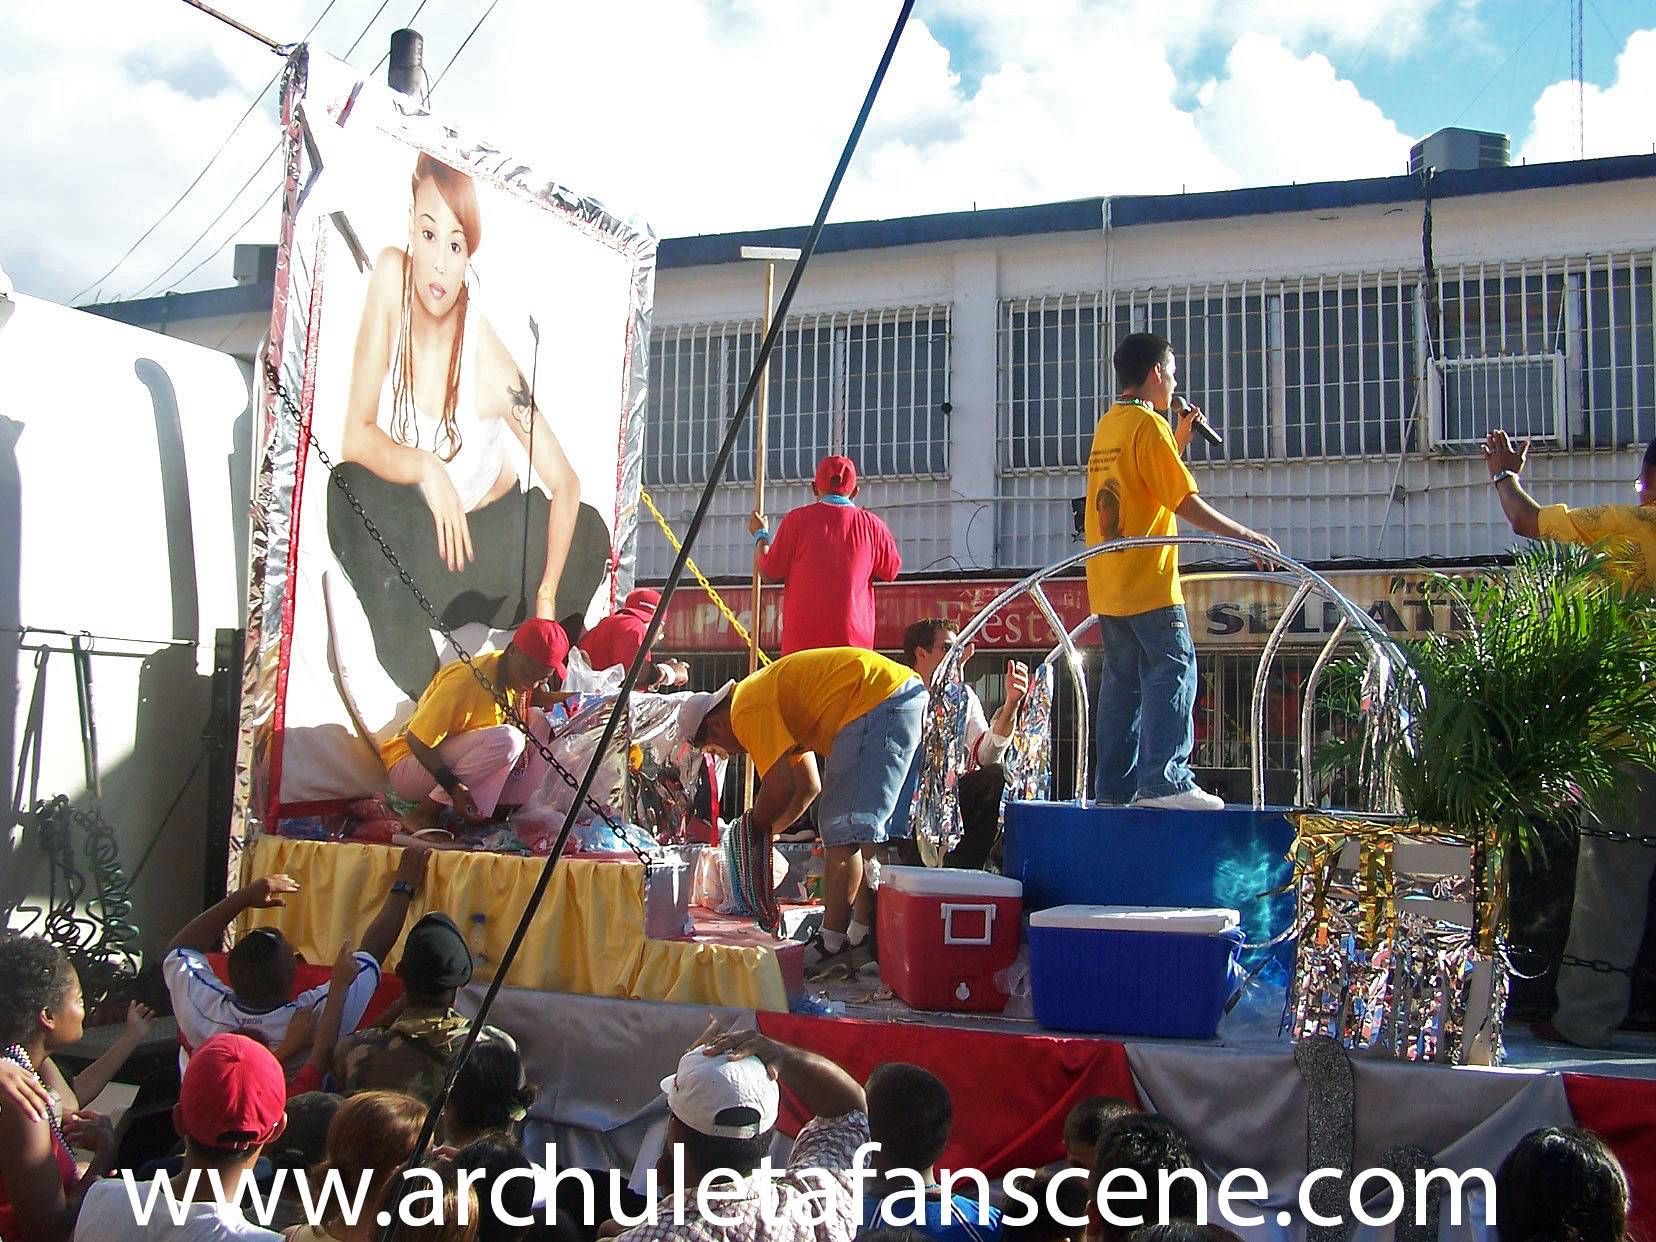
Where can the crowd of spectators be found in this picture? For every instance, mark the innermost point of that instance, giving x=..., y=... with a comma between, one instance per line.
x=275, y=1081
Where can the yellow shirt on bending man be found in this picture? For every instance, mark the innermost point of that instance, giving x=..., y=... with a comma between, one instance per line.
x=1135, y=480
x=1629, y=530
x=803, y=700
x=454, y=702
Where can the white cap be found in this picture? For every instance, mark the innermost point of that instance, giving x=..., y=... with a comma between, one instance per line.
x=704, y=1086
x=693, y=709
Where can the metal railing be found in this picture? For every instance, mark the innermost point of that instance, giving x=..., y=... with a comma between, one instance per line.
x=1390, y=688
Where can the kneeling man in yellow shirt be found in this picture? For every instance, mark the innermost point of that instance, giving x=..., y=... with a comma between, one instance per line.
x=861, y=710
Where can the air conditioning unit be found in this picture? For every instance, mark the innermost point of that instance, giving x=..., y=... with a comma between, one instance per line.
x=1523, y=393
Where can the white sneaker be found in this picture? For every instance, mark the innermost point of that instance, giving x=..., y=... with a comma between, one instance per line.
x=1192, y=799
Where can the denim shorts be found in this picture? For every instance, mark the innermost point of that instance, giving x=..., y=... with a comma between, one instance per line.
x=872, y=772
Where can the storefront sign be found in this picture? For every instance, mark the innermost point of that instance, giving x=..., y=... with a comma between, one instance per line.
x=1224, y=612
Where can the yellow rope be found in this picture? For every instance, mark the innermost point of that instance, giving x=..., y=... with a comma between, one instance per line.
x=712, y=591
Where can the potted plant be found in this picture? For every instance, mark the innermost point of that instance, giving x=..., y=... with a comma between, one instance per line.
x=1530, y=712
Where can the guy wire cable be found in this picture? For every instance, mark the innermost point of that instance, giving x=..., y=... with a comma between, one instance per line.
x=623, y=699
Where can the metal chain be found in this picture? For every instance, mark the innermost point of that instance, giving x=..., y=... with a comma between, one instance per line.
x=1648, y=840
x=465, y=657
x=1601, y=967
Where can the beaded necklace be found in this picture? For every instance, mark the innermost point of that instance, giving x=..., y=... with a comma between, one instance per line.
x=1138, y=401
x=18, y=1054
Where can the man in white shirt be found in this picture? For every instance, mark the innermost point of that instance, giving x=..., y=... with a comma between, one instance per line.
x=259, y=1000
x=232, y=1101
x=926, y=644
x=722, y=1104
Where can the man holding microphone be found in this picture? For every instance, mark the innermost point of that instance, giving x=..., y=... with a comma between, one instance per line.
x=1138, y=485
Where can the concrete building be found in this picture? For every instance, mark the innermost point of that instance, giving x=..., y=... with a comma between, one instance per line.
x=1353, y=340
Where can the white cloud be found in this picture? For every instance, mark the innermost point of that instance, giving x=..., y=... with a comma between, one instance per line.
x=1281, y=117
x=1619, y=119
x=704, y=115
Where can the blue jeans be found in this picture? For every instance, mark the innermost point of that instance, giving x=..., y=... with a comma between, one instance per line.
x=1146, y=693
x=873, y=770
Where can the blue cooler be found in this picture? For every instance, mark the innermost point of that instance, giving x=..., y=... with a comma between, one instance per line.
x=1134, y=970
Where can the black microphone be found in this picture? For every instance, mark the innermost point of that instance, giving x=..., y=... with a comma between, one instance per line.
x=1203, y=428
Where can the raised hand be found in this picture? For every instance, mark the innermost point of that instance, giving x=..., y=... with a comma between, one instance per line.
x=269, y=891
x=139, y=1019
x=1500, y=453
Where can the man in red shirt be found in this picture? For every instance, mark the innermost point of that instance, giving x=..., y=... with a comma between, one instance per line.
x=827, y=555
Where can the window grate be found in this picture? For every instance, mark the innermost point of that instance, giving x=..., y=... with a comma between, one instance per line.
x=869, y=384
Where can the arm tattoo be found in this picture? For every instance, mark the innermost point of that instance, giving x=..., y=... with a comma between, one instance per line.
x=523, y=405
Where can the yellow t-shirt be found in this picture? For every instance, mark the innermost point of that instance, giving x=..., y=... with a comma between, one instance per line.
x=454, y=702
x=1630, y=530
x=1135, y=480
x=803, y=700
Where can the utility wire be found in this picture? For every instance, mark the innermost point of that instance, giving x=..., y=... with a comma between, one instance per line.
x=462, y=47
x=211, y=225
x=252, y=104
x=1506, y=62
x=264, y=163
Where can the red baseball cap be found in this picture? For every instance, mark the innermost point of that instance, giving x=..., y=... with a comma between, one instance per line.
x=234, y=1094
x=836, y=474
x=544, y=642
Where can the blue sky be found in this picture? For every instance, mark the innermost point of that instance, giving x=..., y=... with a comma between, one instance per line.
x=723, y=115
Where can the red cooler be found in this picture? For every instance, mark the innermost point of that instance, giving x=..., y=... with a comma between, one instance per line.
x=945, y=933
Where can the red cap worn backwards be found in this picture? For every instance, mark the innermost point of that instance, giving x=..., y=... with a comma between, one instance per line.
x=234, y=1094
x=544, y=642
x=836, y=475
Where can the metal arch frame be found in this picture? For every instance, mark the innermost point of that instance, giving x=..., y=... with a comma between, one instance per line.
x=1387, y=660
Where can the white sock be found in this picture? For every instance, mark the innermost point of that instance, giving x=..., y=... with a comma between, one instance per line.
x=857, y=932
x=833, y=941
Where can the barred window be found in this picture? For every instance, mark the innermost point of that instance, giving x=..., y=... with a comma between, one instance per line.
x=1050, y=381
x=1348, y=365
x=1619, y=331
x=1219, y=337
x=869, y=384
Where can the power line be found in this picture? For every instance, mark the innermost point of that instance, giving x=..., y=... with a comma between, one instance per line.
x=234, y=233
x=237, y=231
x=211, y=224
x=1507, y=62
x=462, y=47
x=252, y=104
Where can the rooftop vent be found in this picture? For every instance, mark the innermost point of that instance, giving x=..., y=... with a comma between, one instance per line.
x=1460, y=149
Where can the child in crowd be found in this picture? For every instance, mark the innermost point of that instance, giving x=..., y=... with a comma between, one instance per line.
x=231, y=1103
x=1086, y=1121
x=318, y=1036
x=262, y=965
x=491, y=1095
x=373, y=1133
x=504, y=1183
x=42, y=1010
x=910, y=1114
x=459, y=1201
x=1148, y=1145
x=1561, y=1183
x=1056, y=1206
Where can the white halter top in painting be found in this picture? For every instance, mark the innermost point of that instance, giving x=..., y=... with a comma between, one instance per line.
x=476, y=468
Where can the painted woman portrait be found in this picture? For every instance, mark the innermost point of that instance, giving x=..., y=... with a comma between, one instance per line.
x=435, y=400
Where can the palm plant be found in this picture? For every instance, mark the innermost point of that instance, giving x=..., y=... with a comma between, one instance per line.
x=1536, y=709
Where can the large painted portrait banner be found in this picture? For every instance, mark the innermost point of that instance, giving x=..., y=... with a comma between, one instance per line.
x=465, y=340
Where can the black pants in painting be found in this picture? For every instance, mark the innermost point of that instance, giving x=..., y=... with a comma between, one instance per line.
x=493, y=589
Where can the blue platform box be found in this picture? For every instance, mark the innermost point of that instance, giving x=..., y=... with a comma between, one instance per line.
x=1128, y=971
x=1065, y=854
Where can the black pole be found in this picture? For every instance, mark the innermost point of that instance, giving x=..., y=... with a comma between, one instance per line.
x=737, y=421
x=407, y=61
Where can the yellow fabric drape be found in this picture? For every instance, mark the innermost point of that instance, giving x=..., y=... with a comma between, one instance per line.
x=587, y=936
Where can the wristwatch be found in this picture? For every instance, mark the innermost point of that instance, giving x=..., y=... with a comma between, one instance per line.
x=403, y=887
x=1499, y=475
